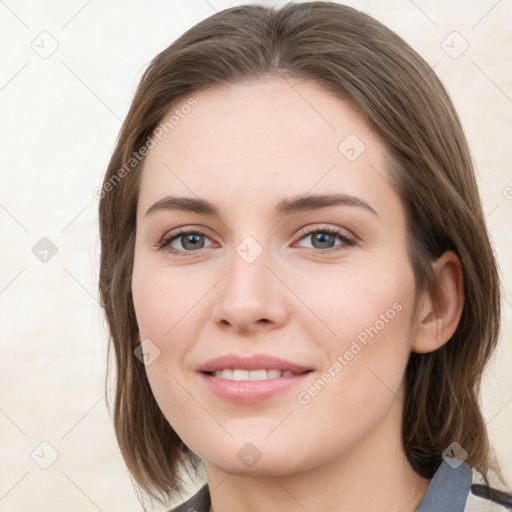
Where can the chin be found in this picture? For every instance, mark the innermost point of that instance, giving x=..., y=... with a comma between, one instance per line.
x=267, y=465
x=259, y=458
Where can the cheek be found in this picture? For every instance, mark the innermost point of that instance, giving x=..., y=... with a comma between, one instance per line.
x=163, y=315
x=164, y=299
x=369, y=312
x=167, y=307
x=362, y=379
x=363, y=300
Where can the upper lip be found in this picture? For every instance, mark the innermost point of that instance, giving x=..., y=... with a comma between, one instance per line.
x=253, y=362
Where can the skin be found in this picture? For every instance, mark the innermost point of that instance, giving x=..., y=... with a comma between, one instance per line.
x=244, y=149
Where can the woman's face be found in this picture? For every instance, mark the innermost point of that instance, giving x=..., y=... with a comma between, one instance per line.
x=262, y=285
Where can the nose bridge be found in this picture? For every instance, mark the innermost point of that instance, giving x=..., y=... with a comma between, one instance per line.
x=250, y=266
x=249, y=292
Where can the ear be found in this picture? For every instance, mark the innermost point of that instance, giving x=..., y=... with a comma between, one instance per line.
x=439, y=314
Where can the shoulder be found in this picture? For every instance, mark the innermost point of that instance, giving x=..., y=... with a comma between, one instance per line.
x=482, y=498
x=464, y=488
x=199, y=502
x=459, y=487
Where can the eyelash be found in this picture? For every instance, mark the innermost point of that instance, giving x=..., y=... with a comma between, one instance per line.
x=347, y=241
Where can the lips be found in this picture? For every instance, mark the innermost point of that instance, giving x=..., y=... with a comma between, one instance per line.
x=251, y=379
x=251, y=363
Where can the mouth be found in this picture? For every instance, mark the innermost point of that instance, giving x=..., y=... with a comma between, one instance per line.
x=240, y=375
x=251, y=379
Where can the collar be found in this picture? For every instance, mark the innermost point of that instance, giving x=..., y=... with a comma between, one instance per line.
x=448, y=489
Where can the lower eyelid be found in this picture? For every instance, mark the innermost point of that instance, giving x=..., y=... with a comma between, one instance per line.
x=168, y=240
x=345, y=239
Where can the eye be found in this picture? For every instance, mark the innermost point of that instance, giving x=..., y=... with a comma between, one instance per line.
x=190, y=240
x=323, y=239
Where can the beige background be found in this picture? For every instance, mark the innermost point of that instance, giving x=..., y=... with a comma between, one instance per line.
x=61, y=114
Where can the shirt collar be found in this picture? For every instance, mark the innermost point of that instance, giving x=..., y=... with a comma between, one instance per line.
x=448, y=489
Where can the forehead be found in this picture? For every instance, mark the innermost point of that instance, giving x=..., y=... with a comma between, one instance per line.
x=264, y=139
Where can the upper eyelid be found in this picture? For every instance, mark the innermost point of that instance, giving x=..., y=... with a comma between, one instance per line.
x=303, y=232
x=340, y=231
x=183, y=231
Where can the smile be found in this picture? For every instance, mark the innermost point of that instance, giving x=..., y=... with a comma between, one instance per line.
x=245, y=375
x=252, y=378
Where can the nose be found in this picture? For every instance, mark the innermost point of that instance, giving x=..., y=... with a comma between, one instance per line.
x=251, y=297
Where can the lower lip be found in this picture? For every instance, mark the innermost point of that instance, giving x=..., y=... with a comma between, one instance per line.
x=250, y=391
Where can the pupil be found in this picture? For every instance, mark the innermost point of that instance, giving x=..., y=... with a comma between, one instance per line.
x=191, y=239
x=323, y=238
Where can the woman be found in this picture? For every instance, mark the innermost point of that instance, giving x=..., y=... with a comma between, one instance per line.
x=339, y=375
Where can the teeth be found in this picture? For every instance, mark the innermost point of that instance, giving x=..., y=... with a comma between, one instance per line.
x=240, y=375
x=258, y=375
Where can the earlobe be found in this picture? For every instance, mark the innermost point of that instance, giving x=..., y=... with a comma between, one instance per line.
x=440, y=312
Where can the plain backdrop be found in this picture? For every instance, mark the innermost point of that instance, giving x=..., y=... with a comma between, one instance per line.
x=68, y=71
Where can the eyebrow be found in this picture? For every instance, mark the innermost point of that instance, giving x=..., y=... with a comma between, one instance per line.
x=284, y=208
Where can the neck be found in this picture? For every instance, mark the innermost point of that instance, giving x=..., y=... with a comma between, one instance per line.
x=371, y=477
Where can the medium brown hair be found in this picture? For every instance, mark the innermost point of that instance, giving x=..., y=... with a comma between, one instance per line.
x=363, y=62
